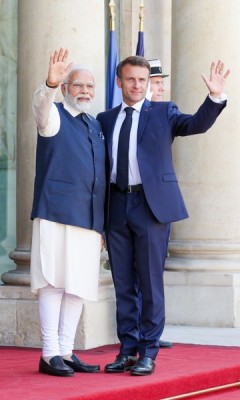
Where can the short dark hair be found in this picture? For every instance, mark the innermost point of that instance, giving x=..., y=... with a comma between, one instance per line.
x=135, y=61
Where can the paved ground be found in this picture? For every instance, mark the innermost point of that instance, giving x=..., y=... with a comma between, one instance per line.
x=201, y=335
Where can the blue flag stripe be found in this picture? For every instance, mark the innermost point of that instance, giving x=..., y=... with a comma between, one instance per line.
x=140, y=45
x=113, y=93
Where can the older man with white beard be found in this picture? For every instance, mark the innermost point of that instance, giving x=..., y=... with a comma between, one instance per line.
x=67, y=212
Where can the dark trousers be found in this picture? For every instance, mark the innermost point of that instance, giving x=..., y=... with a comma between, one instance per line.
x=137, y=250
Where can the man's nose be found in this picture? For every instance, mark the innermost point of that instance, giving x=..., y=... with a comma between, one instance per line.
x=84, y=88
x=136, y=83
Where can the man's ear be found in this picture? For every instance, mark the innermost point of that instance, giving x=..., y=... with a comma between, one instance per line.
x=63, y=89
x=119, y=82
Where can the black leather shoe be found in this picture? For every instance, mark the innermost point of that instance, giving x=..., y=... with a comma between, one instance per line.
x=122, y=363
x=55, y=367
x=165, y=344
x=79, y=366
x=143, y=366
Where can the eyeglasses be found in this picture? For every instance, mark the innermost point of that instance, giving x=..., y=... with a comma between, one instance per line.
x=81, y=85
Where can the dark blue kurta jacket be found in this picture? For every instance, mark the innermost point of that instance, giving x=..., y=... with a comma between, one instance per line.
x=70, y=173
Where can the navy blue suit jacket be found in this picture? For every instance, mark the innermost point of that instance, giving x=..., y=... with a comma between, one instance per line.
x=159, y=124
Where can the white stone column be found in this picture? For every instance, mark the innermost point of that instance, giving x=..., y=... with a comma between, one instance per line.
x=158, y=36
x=203, y=277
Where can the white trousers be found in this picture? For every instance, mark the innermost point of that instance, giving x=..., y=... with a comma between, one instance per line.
x=59, y=314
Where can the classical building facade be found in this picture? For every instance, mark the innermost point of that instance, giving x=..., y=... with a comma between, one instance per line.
x=202, y=277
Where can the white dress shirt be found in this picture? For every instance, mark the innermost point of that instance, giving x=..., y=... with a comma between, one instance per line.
x=134, y=177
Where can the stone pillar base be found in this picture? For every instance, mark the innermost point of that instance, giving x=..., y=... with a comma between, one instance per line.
x=20, y=325
x=202, y=296
x=19, y=276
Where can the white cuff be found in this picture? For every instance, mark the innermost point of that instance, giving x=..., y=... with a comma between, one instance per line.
x=220, y=99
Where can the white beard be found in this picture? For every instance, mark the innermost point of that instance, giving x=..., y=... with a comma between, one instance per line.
x=84, y=106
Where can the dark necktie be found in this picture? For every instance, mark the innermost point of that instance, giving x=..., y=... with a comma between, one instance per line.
x=123, y=147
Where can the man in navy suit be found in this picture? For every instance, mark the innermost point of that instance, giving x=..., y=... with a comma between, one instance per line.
x=138, y=215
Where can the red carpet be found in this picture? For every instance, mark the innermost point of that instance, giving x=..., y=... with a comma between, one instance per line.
x=182, y=369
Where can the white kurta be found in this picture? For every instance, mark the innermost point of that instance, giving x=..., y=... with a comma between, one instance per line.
x=66, y=257
x=63, y=256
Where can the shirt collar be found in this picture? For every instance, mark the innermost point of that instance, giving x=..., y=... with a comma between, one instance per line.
x=137, y=106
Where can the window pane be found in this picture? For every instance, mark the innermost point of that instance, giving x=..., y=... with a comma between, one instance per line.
x=8, y=96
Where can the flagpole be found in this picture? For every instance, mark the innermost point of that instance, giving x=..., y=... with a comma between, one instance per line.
x=112, y=15
x=141, y=14
x=140, y=43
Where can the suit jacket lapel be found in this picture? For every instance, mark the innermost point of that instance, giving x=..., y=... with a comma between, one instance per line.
x=144, y=115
